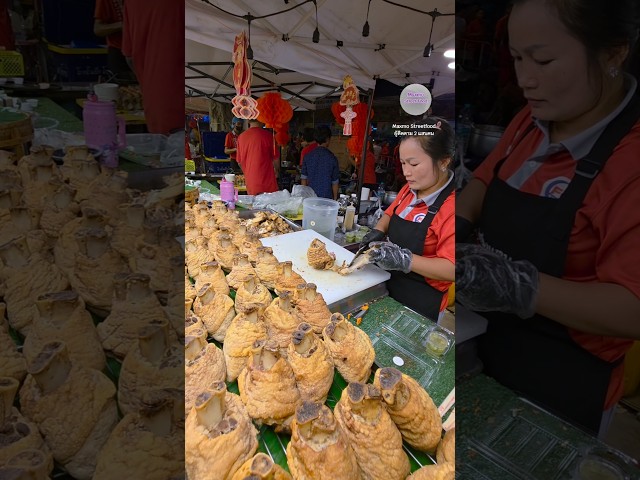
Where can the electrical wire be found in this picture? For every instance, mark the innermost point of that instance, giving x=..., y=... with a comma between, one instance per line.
x=246, y=17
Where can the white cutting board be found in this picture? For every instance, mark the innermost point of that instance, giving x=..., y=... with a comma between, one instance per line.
x=333, y=286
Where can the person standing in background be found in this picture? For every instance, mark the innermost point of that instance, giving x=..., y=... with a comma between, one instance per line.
x=370, y=179
x=6, y=31
x=256, y=157
x=308, y=137
x=153, y=43
x=231, y=143
x=108, y=23
x=320, y=171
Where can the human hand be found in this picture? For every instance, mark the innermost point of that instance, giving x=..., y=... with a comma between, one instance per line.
x=390, y=256
x=488, y=281
x=372, y=235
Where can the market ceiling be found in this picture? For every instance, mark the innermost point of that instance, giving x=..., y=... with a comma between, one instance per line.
x=309, y=74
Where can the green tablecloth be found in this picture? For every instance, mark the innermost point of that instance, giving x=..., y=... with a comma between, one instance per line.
x=67, y=121
x=503, y=436
x=381, y=312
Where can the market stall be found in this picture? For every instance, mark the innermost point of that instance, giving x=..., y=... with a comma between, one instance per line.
x=241, y=259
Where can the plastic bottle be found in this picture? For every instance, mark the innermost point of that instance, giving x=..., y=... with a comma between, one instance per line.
x=464, y=125
x=349, y=217
x=353, y=202
x=380, y=193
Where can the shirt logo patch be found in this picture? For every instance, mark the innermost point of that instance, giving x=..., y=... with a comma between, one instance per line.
x=555, y=187
x=418, y=218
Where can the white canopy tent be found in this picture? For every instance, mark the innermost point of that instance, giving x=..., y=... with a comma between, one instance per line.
x=306, y=73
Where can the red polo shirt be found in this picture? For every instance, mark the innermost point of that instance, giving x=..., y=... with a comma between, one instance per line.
x=110, y=11
x=440, y=241
x=231, y=141
x=603, y=246
x=255, y=156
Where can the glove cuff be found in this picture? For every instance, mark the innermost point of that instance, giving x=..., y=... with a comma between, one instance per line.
x=407, y=257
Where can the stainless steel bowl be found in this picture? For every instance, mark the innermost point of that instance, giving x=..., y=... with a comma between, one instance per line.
x=484, y=139
x=389, y=197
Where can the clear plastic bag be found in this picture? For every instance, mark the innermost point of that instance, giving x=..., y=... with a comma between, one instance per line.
x=303, y=191
x=266, y=200
x=289, y=208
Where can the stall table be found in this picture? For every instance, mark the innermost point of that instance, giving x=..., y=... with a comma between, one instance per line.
x=500, y=435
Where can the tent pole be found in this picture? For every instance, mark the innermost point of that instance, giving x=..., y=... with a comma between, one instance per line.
x=364, y=150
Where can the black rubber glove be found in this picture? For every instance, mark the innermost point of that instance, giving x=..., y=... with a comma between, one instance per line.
x=488, y=281
x=372, y=236
x=390, y=256
x=464, y=228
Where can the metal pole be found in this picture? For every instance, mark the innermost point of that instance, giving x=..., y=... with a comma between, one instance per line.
x=364, y=151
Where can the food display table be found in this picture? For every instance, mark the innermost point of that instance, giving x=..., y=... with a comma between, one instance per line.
x=501, y=435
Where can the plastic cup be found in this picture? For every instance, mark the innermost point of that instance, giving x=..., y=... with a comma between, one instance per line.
x=106, y=92
x=321, y=215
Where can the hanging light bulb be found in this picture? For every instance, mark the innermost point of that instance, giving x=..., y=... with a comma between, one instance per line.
x=316, y=32
x=249, y=49
x=365, y=28
x=429, y=48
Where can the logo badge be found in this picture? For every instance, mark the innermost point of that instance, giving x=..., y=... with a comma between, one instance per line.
x=415, y=99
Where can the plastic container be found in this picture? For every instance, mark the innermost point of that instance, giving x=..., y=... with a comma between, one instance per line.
x=321, y=215
x=101, y=125
x=349, y=215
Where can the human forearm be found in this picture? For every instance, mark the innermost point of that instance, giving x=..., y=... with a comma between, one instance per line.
x=598, y=308
x=334, y=188
x=304, y=182
x=434, y=268
x=469, y=201
x=103, y=29
x=230, y=150
x=383, y=223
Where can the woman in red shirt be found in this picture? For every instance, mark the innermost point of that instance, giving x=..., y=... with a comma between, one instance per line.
x=420, y=224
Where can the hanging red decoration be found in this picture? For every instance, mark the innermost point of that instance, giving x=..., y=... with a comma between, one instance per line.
x=275, y=113
x=337, y=109
x=244, y=106
x=282, y=136
x=274, y=110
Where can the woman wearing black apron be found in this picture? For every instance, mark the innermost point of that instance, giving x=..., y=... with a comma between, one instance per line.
x=420, y=223
x=555, y=267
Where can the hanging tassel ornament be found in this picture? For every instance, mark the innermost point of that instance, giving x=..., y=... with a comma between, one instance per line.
x=244, y=106
x=348, y=99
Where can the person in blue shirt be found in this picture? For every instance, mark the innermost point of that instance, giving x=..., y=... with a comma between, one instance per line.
x=320, y=168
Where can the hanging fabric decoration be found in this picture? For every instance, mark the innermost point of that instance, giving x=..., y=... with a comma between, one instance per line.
x=349, y=98
x=275, y=113
x=354, y=144
x=243, y=105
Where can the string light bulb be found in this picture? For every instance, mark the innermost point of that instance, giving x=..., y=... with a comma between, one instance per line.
x=365, y=28
x=249, y=49
x=316, y=32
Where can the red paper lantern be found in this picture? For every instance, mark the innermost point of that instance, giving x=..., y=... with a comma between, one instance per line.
x=274, y=110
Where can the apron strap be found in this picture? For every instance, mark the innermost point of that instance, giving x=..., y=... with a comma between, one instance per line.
x=589, y=166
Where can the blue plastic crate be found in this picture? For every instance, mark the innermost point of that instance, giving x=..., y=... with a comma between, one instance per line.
x=218, y=166
x=213, y=144
x=67, y=21
x=76, y=64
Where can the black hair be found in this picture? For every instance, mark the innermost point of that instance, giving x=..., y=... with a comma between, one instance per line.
x=322, y=134
x=308, y=135
x=439, y=146
x=598, y=25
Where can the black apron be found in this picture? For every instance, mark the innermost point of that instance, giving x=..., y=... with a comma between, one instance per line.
x=537, y=357
x=411, y=289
